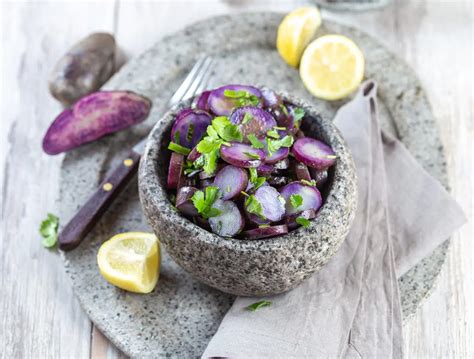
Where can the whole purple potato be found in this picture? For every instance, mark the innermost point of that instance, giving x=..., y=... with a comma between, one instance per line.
x=84, y=68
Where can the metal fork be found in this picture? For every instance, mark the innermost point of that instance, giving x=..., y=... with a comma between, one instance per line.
x=89, y=214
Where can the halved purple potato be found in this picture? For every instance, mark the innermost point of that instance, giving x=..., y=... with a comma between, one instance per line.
x=273, y=204
x=320, y=176
x=201, y=102
x=184, y=202
x=221, y=105
x=310, y=195
x=291, y=219
x=194, y=154
x=257, y=122
x=265, y=170
x=313, y=153
x=190, y=126
x=229, y=222
x=175, y=170
x=271, y=99
x=287, y=118
x=93, y=117
x=280, y=154
x=265, y=232
x=242, y=155
x=278, y=181
x=231, y=181
x=301, y=171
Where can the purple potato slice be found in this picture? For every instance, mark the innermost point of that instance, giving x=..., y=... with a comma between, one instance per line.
x=287, y=118
x=301, y=171
x=194, y=154
x=184, y=202
x=93, y=117
x=265, y=232
x=310, y=195
x=313, y=153
x=320, y=176
x=265, y=170
x=271, y=99
x=221, y=105
x=242, y=155
x=231, y=181
x=175, y=170
x=280, y=154
x=252, y=120
x=189, y=127
x=254, y=219
x=229, y=222
x=291, y=219
x=201, y=102
x=273, y=204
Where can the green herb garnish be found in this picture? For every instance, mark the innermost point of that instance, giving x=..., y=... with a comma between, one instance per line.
x=296, y=200
x=264, y=226
x=255, y=180
x=226, y=129
x=257, y=305
x=244, y=193
x=177, y=137
x=256, y=143
x=252, y=205
x=204, y=201
x=273, y=134
x=279, y=128
x=284, y=109
x=303, y=221
x=247, y=118
x=251, y=155
x=189, y=135
x=309, y=183
x=228, y=189
x=178, y=149
x=298, y=114
x=274, y=145
x=242, y=98
x=49, y=231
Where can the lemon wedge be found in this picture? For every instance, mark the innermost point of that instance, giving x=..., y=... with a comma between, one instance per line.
x=295, y=32
x=131, y=261
x=332, y=67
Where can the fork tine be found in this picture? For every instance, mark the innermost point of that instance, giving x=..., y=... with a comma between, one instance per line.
x=198, y=80
x=178, y=95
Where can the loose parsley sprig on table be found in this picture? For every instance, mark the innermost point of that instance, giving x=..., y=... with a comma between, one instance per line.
x=204, y=201
x=242, y=98
x=257, y=305
x=49, y=231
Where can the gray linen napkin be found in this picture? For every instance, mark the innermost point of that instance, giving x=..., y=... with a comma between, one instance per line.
x=351, y=307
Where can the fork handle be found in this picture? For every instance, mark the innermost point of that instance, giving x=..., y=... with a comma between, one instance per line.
x=90, y=213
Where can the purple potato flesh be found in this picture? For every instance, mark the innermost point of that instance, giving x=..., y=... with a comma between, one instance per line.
x=273, y=204
x=252, y=120
x=320, y=177
x=301, y=171
x=271, y=99
x=231, y=181
x=309, y=194
x=175, y=170
x=265, y=170
x=184, y=202
x=93, y=117
x=221, y=105
x=313, y=153
x=242, y=155
x=189, y=127
x=265, y=232
x=291, y=220
x=229, y=222
x=201, y=102
x=276, y=156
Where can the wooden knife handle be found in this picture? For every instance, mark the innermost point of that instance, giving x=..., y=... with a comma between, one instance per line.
x=89, y=214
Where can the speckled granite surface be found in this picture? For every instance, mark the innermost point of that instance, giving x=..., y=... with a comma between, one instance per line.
x=180, y=316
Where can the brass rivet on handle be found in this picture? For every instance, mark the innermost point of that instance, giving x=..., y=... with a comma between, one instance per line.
x=128, y=162
x=107, y=186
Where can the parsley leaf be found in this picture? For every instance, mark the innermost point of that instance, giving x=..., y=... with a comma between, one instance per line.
x=251, y=155
x=284, y=109
x=275, y=145
x=298, y=114
x=242, y=98
x=177, y=137
x=273, y=134
x=256, y=143
x=178, y=149
x=279, y=128
x=296, y=200
x=255, y=180
x=252, y=205
x=247, y=118
x=226, y=129
x=204, y=201
x=308, y=183
x=189, y=135
x=49, y=231
x=257, y=305
x=303, y=221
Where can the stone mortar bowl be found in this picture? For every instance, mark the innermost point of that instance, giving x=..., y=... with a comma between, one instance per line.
x=250, y=267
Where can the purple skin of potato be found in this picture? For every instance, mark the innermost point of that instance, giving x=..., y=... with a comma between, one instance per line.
x=183, y=201
x=313, y=153
x=265, y=170
x=229, y=222
x=174, y=170
x=193, y=155
x=311, y=197
x=259, y=124
x=273, y=204
x=265, y=232
x=291, y=220
x=242, y=155
x=191, y=125
x=301, y=171
x=231, y=181
x=320, y=176
x=201, y=102
x=221, y=105
x=271, y=99
x=93, y=117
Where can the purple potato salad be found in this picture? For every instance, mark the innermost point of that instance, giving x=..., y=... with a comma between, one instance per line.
x=242, y=167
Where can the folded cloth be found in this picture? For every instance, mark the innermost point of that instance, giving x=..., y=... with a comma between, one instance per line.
x=351, y=307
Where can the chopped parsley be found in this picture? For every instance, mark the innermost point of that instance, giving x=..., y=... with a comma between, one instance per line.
x=247, y=118
x=226, y=129
x=273, y=134
x=242, y=98
x=177, y=137
x=303, y=221
x=296, y=200
x=274, y=145
x=280, y=128
x=179, y=149
x=189, y=135
x=298, y=114
x=309, y=183
x=204, y=201
x=256, y=143
x=255, y=180
x=252, y=205
x=49, y=231
x=251, y=155
x=284, y=109
x=257, y=305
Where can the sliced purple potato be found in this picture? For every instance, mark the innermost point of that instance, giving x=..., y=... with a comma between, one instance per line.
x=279, y=155
x=310, y=195
x=221, y=105
x=231, y=181
x=265, y=232
x=265, y=170
x=256, y=220
x=278, y=181
x=271, y=99
x=242, y=155
x=201, y=102
x=283, y=164
x=252, y=120
x=301, y=171
x=313, y=153
x=291, y=219
x=185, y=181
x=93, y=117
x=175, y=170
x=320, y=176
x=184, y=202
x=189, y=127
x=273, y=204
x=229, y=222
x=194, y=154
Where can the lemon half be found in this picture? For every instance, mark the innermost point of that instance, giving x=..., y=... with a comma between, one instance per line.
x=332, y=67
x=131, y=261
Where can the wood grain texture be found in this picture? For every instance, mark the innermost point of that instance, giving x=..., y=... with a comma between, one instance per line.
x=39, y=315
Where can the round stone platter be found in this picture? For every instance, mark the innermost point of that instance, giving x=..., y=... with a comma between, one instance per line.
x=180, y=316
